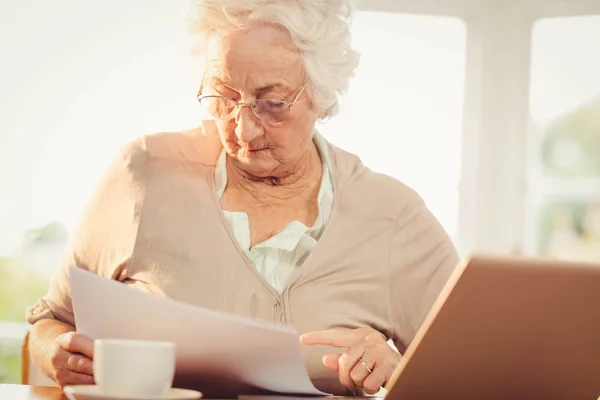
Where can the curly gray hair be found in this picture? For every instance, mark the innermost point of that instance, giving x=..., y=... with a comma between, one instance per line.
x=320, y=29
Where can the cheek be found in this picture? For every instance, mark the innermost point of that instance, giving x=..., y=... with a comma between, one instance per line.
x=292, y=134
x=280, y=136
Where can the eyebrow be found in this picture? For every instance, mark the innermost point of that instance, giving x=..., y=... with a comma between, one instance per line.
x=259, y=90
x=269, y=87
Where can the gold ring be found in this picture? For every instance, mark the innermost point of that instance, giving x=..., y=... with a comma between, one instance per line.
x=366, y=366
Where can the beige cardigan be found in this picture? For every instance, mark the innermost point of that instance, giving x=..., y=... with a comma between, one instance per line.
x=155, y=223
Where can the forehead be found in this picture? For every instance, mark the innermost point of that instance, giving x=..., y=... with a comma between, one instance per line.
x=254, y=57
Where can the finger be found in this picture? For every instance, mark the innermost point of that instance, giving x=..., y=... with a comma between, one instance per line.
x=65, y=377
x=347, y=362
x=335, y=338
x=331, y=361
x=360, y=372
x=373, y=383
x=59, y=357
x=75, y=342
x=80, y=364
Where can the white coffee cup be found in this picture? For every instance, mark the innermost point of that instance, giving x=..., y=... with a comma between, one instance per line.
x=133, y=368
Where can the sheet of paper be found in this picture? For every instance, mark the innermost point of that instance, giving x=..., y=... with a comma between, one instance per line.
x=211, y=346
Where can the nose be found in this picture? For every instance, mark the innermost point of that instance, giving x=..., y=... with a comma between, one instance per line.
x=248, y=127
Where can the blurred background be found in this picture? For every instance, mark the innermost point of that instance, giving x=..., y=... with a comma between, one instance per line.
x=490, y=109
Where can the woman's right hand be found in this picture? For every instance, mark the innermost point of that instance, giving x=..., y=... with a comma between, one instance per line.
x=71, y=360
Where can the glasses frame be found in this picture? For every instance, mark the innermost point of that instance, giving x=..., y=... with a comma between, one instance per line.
x=252, y=105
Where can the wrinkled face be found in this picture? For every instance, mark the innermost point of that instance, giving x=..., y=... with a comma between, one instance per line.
x=260, y=63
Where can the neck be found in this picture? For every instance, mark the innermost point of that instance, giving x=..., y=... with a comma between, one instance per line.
x=296, y=181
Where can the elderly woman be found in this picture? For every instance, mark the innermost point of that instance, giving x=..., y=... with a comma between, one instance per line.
x=256, y=214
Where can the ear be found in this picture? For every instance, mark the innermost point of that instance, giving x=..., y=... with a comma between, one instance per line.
x=321, y=116
x=320, y=113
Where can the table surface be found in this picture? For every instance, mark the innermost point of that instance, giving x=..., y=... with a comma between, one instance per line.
x=25, y=392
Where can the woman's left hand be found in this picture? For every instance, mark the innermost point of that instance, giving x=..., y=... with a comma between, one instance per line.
x=368, y=361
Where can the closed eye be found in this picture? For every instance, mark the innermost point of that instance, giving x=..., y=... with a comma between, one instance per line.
x=274, y=104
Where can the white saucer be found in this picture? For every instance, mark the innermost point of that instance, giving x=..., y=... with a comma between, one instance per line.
x=92, y=392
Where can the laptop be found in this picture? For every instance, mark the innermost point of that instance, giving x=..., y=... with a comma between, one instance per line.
x=508, y=328
x=505, y=328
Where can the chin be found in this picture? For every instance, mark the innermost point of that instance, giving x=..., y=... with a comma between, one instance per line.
x=255, y=165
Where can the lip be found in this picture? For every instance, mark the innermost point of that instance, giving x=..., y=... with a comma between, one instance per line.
x=255, y=150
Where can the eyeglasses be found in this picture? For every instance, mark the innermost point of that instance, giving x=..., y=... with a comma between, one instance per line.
x=269, y=111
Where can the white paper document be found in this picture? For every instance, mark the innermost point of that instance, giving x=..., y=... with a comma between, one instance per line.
x=211, y=346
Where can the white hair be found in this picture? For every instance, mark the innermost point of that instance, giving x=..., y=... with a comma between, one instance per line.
x=320, y=29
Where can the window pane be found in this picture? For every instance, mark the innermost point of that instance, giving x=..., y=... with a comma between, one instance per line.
x=565, y=116
x=565, y=95
x=403, y=113
x=570, y=230
x=74, y=90
x=78, y=80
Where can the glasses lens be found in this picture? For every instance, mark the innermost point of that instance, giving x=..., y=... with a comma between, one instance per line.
x=270, y=111
x=218, y=107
